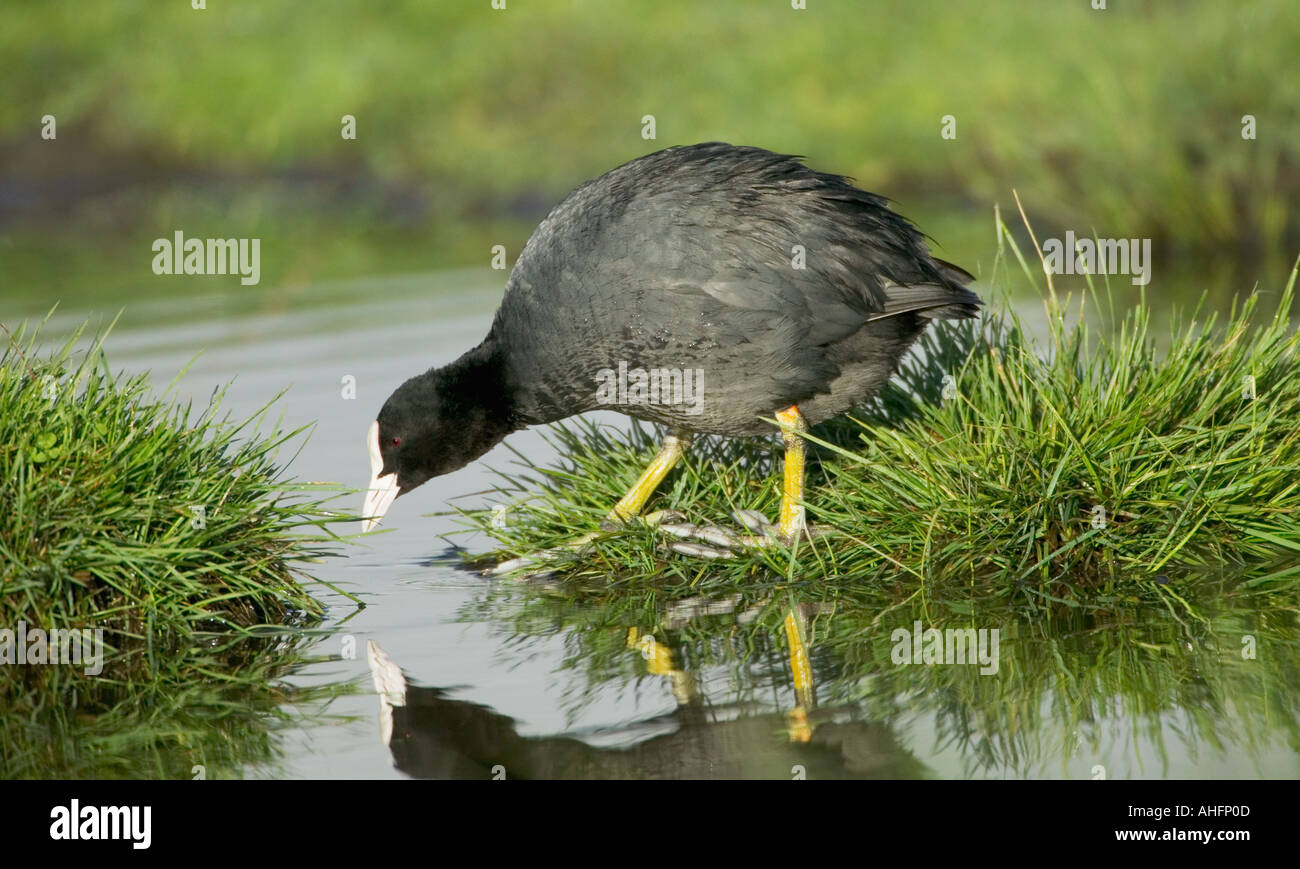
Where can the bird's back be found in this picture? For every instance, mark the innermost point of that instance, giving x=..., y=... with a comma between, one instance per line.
x=738, y=263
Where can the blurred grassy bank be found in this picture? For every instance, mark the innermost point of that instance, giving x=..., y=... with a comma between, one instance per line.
x=472, y=122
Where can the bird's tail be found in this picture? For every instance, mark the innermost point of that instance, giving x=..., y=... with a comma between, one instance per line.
x=946, y=299
x=964, y=304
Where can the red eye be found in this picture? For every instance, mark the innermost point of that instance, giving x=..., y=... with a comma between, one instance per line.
x=397, y=442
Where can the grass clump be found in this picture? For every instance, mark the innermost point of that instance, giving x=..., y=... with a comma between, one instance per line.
x=175, y=535
x=125, y=513
x=992, y=458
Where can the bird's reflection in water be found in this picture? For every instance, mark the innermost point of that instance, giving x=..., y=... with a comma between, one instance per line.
x=433, y=736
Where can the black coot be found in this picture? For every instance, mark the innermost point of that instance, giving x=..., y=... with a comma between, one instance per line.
x=707, y=287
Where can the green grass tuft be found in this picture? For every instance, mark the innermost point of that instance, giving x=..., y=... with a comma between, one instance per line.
x=125, y=513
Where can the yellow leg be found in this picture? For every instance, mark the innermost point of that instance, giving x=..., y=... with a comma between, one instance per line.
x=801, y=669
x=659, y=661
x=629, y=506
x=792, y=513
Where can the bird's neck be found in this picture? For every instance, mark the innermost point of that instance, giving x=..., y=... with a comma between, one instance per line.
x=475, y=390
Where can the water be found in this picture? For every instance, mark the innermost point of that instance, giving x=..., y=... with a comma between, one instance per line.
x=504, y=679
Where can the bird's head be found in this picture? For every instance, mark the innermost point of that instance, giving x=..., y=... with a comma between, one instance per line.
x=425, y=429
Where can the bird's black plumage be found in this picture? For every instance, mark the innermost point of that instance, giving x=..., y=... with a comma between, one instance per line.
x=685, y=259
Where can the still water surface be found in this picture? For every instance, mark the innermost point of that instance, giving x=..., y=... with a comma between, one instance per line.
x=500, y=676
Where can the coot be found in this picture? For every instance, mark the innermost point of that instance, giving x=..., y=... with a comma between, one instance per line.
x=710, y=288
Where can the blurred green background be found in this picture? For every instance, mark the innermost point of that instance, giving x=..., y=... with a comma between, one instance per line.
x=473, y=122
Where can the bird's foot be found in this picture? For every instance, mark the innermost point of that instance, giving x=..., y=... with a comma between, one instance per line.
x=542, y=557
x=699, y=541
x=711, y=541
